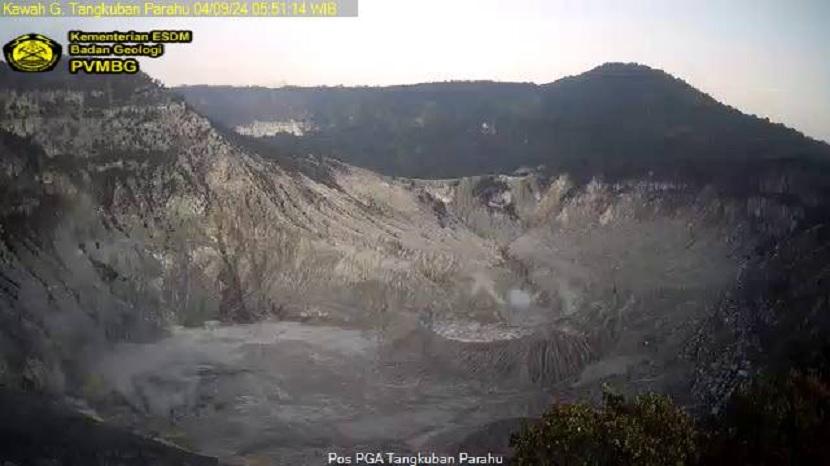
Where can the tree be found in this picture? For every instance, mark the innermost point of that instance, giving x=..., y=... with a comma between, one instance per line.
x=775, y=420
x=649, y=430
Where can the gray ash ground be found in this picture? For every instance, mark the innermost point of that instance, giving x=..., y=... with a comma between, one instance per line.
x=289, y=393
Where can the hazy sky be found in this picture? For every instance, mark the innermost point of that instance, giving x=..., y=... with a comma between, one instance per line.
x=767, y=57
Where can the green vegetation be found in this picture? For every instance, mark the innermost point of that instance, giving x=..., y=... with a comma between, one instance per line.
x=617, y=120
x=780, y=421
x=775, y=420
x=649, y=430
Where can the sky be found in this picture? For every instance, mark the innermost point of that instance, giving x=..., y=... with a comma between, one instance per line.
x=770, y=58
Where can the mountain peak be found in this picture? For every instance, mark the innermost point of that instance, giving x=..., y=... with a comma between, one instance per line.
x=623, y=67
x=627, y=70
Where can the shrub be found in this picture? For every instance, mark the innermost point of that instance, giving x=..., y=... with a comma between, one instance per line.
x=649, y=430
x=781, y=420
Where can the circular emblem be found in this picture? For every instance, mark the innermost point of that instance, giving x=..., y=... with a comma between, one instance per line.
x=32, y=53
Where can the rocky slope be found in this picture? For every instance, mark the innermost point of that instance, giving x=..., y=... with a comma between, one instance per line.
x=126, y=214
x=38, y=430
x=173, y=219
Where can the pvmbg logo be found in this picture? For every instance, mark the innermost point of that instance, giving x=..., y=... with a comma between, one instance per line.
x=32, y=53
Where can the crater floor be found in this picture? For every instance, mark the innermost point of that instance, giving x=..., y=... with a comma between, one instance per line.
x=289, y=393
